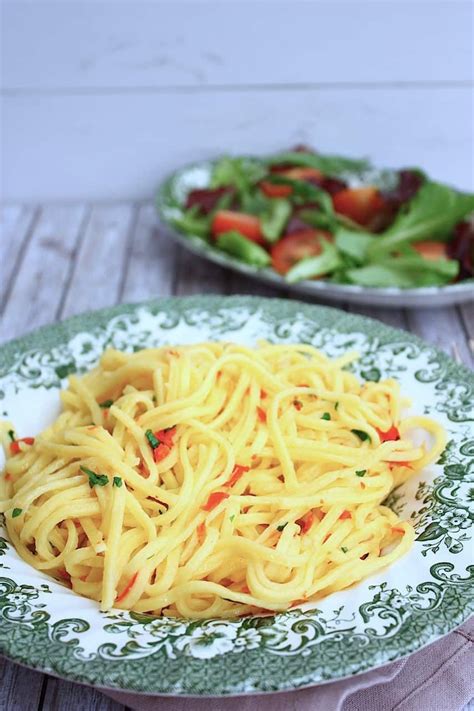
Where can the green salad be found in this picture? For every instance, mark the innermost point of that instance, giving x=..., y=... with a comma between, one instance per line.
x=313, y=216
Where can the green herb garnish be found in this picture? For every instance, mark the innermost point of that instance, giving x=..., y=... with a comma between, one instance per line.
x=326, y=416
x=153, y=441
x=94, y=478
x=117, y=482
x=344, y=549
x=363, y=436
x=16, y=512
x=361, y=472
x=106, y=404
x=336, y=405
x=282, y=526
x=231, y=518
x=11, y=434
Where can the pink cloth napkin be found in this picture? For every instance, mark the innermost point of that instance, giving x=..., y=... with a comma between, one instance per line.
x=439, y=677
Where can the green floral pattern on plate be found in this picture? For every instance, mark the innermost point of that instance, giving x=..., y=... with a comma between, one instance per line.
x=425, y=595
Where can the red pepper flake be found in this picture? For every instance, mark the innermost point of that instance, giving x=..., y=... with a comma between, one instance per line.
x=303, y=385
x=201, y=532
x=362, y=485
x=254, y=457
x=298, y=404
x=237, y=473
x=143, y=469
x=214, y=500
x=263, y=394
x=391, y=435
x=127, y=588
x=161, y=452
x=306, y=522
x=345, y=514
x=166, y=436
x=363, y=557
x=15, y=446
x=401, y=531
x=262, y=415
x=392, y=464
x=246, y=589
x=326, y=537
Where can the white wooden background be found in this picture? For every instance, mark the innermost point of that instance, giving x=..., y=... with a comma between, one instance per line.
x=101, y=99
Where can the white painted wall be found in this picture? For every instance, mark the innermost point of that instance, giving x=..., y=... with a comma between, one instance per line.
x=100, y=100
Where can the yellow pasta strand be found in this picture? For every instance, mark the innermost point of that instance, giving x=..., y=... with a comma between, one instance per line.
x=215, y=479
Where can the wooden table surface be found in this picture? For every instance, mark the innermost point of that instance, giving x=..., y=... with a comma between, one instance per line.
x=61, y=260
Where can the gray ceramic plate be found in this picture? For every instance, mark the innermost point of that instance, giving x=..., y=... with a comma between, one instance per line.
x=173, y=193
x=423, y=596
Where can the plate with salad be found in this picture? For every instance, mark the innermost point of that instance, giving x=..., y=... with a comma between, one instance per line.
x=334, y=227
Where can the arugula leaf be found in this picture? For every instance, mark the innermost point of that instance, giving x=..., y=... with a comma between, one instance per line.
x=405, y=272
x=312, y=267
x=327, y=164
x=431, y=213
x=304, y=192
x=273, y=221
x=241, y=173
x=239, y=246
x=354, y=244
x=191, y=222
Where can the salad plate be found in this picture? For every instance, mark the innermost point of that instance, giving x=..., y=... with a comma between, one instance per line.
x=398, y=265
x=423, y=596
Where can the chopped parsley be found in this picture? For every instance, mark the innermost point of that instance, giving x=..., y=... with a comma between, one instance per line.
x=363, y=436
x=336, y=405
x=344, y=549
x=282, y=526
x=11, y=434
x=361, y=472
x=94, y=478
x=231, y=518
x=106, y=404
x=117, y=481
x=326, y=416
x=153, y=441
x=16, y=512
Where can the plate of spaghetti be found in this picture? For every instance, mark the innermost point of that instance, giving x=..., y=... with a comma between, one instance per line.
x=224, y=495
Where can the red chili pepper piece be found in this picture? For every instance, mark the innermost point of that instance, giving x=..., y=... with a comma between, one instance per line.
x=166, y=436
x=401, y=531
x=391, y=435
x=297, y=404
x=127, y=588
x=15, y=446
x=345, y=514
x=161, y=452
x=306, y=522
x=201, y=532
x=262, y=415
x=214, y=500
x=237, y=472
x=263, y=394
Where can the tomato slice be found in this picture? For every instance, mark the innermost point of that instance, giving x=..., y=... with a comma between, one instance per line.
x=302, y=174
x=297, y=246
x=275, y=191
x=359, y=204
x=431, y=250
x=247, y=225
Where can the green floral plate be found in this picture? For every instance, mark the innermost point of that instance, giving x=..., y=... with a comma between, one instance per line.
x=423, y=596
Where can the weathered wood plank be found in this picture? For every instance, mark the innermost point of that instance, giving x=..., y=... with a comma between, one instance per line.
x=20, y=688
x=466, y=314
x=44, y=272
x=100, y=263
x=150, y=268
x=16, y=222
x=197, y=276
x=64, y=696
x=442, y=328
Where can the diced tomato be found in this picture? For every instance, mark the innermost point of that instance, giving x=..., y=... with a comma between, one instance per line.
x=306, y=522
x=15, y=446
x=359, y=204
x=161, y=452
x=292, y=248
x=391, y=435
x=274, y=190
x=247, y=225
x=345, y=514
x=431, y=250
x=237, y=472
x=261, y=414
x=127, y=588
x=214, y=500
x=166, y=436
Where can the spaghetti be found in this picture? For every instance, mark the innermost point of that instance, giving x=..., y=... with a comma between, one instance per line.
x=215, y=480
